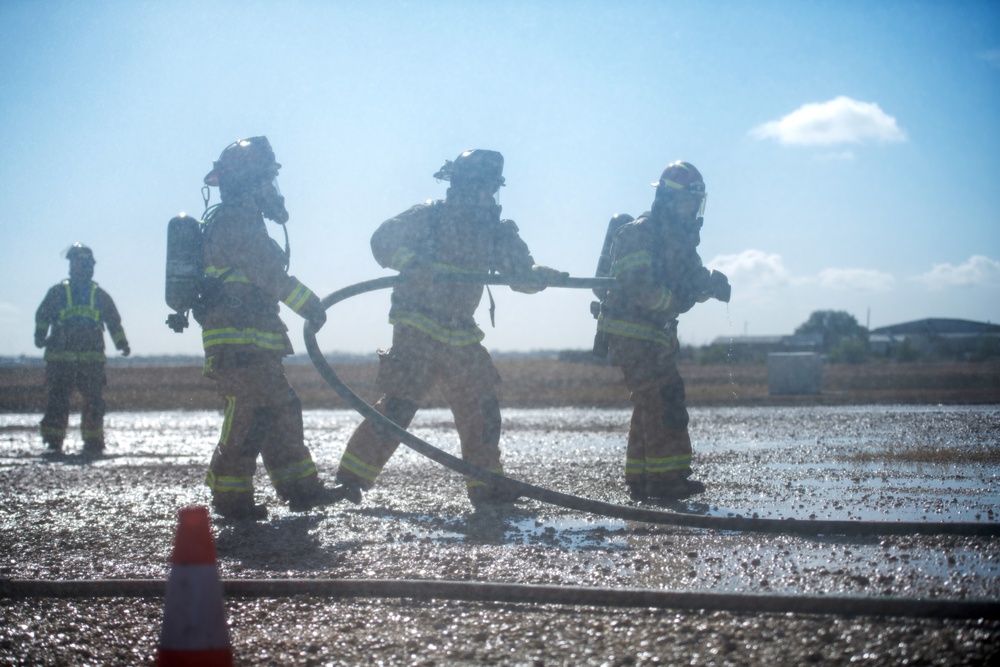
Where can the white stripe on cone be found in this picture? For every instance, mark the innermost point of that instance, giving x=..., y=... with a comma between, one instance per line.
x=194, y=618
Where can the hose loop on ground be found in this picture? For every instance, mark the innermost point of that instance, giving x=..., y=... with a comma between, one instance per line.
x=670, y=518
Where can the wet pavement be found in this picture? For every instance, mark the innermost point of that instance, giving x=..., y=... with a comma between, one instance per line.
x=115, y=517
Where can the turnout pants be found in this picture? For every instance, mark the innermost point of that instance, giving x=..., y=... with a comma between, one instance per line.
x=61, y=379
x=659, y=447
x=263, y=416
x=467, y=378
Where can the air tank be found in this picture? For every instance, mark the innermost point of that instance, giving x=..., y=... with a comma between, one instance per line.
x=184, y=262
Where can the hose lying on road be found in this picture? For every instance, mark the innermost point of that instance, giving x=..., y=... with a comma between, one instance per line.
x=480, y=591
x=810, y=527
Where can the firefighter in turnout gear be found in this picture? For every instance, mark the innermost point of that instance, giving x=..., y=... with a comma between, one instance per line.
x=435, y=339
x=245, y=340
x=77, y=311
x=658, y=275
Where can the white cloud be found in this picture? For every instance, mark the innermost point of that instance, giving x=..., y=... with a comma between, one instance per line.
x=842, y=120
x=753, y=269
x=977, y=270
x=992, y=57
x=856, y=279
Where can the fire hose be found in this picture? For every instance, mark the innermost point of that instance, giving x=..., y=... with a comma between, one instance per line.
x=548, y=594
x=750, y=524
x=483, y=591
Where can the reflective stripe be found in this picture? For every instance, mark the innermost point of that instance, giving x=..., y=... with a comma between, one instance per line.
x=450, y=268
x=472, y=482
x=401, y=258
x=221, y=484
x=51, y=432
x=635, y=466
x=668, y=464
x=630, y=262
x=666, y=298
x=442, y=334
x=298, y=298
x=292, y=472
x=227, y=420
x=75, y=356
x=359, y=468
x=86, y=311
x=637, y=331
x=233, y=336
x=636, y=260
x=92, y=433
x=231, y=275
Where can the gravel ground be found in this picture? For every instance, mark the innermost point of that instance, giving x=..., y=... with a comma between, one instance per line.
x=115, y=518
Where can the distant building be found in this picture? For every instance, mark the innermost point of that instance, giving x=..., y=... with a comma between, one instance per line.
x=936, y=337
x=756, y=348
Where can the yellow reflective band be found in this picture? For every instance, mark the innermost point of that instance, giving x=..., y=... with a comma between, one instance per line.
x=292, y=472
x=401, y=258
x=232, y=336
x=668, y=464
x=472, y=482
x=637, y=331
x=427, y=325
x=631, y=261
x=635, y=466
x=359, y=468
x=450, y=268
x=221, y=484
x=227, y=420
x=87, y=311
x=666, y=298
x=297, y=299
x=231, y=275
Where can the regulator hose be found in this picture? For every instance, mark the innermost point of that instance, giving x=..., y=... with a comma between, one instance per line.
x=749, y=524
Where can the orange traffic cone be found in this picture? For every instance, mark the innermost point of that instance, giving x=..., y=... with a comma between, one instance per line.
x=194, y=619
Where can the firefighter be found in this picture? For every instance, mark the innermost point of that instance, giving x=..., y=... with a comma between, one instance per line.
x=435, y=339
x=245, y=340
x=77, y=310
x=658, y=275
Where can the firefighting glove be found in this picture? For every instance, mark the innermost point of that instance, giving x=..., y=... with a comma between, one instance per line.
x=125, y=349
x=316, y=320
x=720, y=287
x=315, y=316
x=541, y=277
x=39, y=339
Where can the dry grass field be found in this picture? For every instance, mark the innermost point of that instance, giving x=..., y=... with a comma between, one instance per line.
x=549, y=383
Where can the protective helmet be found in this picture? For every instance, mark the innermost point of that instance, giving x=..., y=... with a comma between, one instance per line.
x=474, y=166
x=681, y=176
x=251, y=157
x=80, y=252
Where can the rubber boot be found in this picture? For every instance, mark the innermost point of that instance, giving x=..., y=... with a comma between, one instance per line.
x=93, y=447
x=324, y=495
x=53, y=448
x=674, y=489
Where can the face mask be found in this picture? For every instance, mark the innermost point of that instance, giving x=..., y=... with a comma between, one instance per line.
x=268, y=198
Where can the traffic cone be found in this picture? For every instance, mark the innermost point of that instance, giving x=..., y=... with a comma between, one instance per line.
x=194, y=620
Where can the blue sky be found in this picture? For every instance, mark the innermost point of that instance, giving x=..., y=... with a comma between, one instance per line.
x=851, y=150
